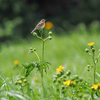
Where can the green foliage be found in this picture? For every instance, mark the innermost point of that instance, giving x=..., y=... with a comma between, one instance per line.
x=67, y=50
x=30, y=12
x=31, y=65
x=8, y=28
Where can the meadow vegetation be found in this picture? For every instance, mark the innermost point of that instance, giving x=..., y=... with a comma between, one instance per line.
x=68, y=50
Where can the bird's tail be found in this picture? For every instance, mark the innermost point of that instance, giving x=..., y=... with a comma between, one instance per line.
x=33, y=31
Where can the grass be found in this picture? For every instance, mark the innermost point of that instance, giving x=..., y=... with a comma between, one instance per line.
x=66, y=50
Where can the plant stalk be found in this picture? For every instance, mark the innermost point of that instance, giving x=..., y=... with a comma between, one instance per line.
x=94, y=69
x=42, y=60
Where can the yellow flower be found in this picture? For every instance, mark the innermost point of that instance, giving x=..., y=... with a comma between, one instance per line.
x=35, y=79
x=74, y=82
x=48, y=25
x=98, y=84
x=67, y=82
x=91, y=44
x=94, y=86
x=20, y=81
x=16, y=62
x=59, y=69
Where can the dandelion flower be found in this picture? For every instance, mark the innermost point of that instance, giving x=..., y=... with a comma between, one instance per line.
x=16, y=62
x=59, y=69
x=48, y=25
x=91, y=44
x=67, y=82
x=94, y=86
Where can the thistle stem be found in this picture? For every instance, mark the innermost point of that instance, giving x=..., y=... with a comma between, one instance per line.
x=37, y=56
x=94, y=69
x=42, y=60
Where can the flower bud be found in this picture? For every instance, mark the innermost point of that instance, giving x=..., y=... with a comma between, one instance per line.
x=58, y=74
x=34, y=49
x=25, y=80
x=54, y=80
x=50, y=37
x=31, y=48
x=63, y=87
x=93, y=50
x=55, y=77
x=86, y=50
x=20, y=81
x=99, y=50
x=50, y=33
x=41, y=31
x=59, y=80
x=91, y=47
x=88, y=66
x=34, y=33
x=76, y=77
x=64, y=76
x=68, y=72
x=80, y=79
x=72, y=79
x=22, y=77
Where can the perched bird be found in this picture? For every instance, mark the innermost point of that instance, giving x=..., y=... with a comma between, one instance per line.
x=40, y=25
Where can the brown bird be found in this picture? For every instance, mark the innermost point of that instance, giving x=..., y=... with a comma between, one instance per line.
x=40, y=25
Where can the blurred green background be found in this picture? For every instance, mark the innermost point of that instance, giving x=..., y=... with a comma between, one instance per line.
x=19, y=17
x=75, y=24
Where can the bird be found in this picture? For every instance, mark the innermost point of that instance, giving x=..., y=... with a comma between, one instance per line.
x=40, y=25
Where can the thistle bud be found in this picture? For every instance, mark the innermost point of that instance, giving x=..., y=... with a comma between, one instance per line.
x=34, y=33
x=68, y=72
x=50, y=37
x=76, y=77
x=63, y=87
x=64, y=76
x=31, y=48
x=80, y=79
x=41, y=31
x=59, y=80
x=93, y=50
x=20, y=81
x=58, y=74
x=54, y=80
x=99, y=50
x=25, y=80
x=34, y=49
x=50, y=33
x=88, y=66
x=55, y=77
x=86, y=50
